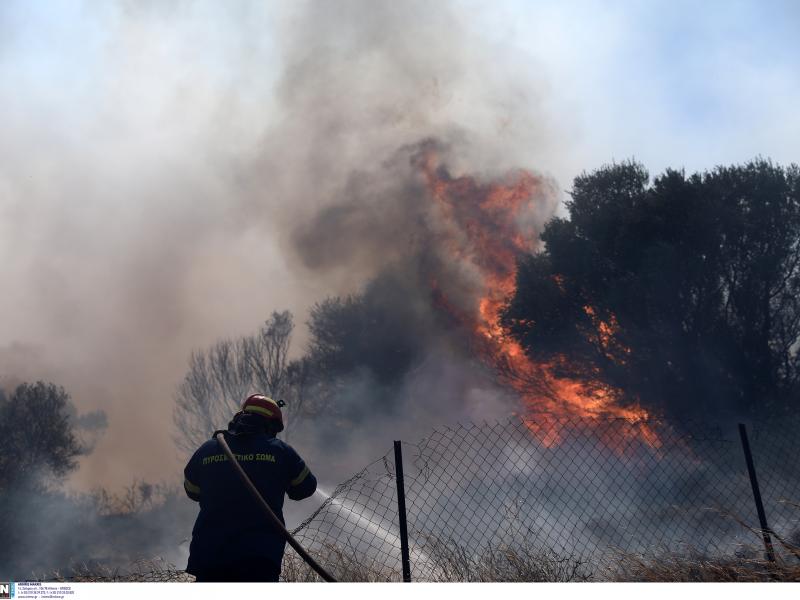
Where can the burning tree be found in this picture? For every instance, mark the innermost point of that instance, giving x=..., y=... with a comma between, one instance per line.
x=681, y=294
x=490, y=226
x=649, y=300
x=440, y=251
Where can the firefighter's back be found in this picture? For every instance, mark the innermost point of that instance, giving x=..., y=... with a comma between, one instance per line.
x=231, y=529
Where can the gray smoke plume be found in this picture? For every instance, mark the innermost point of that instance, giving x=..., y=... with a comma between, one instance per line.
x=189, y=163
x=172, y=172
x=191, y=167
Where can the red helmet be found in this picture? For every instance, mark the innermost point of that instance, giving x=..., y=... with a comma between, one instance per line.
x=264, y=406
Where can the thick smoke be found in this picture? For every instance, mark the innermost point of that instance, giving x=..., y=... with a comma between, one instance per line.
x=189, y=166
x=170, y=173
x=192, y=167
x=362, y=88
x=367, y=94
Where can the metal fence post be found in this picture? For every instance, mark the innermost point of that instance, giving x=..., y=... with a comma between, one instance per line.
x=762, y=517
x=401, y=509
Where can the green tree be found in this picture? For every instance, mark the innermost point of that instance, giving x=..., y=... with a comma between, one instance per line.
x=362, y=346
x=382, y=331
x=681, y=294
x=37, y=435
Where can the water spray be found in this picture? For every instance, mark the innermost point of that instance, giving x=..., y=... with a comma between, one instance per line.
x=388, y=535
x=270, y=514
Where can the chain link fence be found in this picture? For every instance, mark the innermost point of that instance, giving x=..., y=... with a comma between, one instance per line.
x=556, y=500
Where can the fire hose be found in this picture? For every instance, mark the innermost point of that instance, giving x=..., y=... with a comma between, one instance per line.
x=275, y=521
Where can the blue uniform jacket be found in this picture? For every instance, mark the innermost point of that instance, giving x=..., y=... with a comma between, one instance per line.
x=231, y=525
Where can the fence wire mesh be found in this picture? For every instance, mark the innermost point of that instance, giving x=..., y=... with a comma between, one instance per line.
x=555, y=500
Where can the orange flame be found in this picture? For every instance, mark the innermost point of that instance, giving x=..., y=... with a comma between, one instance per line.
x=488, y=233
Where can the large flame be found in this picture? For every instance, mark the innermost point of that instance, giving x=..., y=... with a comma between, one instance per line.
x=488, y=232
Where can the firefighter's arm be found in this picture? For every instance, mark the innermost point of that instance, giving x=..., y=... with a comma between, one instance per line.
x=190, y=479
x=302, y=483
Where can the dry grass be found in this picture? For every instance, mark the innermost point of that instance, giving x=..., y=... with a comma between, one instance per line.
x=668, y=567
x=447, y=562
x=144, y=570
x=523, y=562
x=344, y=564
x=750, y=564
x=497, y=564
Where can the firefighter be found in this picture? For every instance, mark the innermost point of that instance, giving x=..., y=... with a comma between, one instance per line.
x=232, y=540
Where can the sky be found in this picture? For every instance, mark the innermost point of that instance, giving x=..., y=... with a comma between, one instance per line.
x=149, y=154
x=673, y=84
